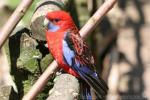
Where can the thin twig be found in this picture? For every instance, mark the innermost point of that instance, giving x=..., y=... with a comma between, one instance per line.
x=42, y=81
x=96, y=18
x=88, y=28
x=13, y=20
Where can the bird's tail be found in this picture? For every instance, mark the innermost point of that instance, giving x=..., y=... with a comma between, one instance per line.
x=85, y=91
x=94, y=91
x=97, y=84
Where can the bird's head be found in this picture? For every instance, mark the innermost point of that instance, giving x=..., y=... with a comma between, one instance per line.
x=58, y=20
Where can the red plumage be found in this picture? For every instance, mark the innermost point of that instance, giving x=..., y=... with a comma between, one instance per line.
x=55, y=39
x=71, y=52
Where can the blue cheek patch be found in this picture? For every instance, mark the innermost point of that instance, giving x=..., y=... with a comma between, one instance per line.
x=52, y=27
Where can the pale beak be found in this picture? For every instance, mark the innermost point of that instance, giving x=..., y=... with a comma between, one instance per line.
x=45, y=24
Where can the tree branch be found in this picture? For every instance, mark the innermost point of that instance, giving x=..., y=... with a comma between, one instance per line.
x=97, y=17
x=13, y=20
x=68, y=89
x=42, y=81
x=52, y=68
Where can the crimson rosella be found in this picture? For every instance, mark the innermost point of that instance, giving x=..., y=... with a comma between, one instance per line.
x=72, y=53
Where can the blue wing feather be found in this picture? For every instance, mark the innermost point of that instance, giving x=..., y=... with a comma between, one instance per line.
x=68, y=54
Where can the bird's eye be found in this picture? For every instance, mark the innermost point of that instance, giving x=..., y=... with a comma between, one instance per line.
x=56, y=20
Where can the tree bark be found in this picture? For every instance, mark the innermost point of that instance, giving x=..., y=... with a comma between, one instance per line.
x=6, y=82
x=66, y=87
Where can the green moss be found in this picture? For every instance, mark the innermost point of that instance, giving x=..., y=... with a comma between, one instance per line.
x=46, y=61
x=28, y=59
x=27, y=85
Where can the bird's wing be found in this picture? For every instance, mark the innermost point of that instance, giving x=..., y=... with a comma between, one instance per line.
x=82, y=52
x=81, y=65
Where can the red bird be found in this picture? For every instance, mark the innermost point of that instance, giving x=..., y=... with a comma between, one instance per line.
x=72, y=53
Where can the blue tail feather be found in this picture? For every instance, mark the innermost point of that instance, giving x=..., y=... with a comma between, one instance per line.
x=85, y=91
